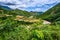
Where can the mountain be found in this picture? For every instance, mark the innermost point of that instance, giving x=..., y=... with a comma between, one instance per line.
x=37, y=13
x=19, y=12
x=53, y=14
x=7, y=10
x=4, y=7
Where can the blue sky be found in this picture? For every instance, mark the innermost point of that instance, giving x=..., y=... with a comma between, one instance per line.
x=30, y=5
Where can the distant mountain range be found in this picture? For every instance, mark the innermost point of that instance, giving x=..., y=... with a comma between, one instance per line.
x=4, y=7
x=17, y=11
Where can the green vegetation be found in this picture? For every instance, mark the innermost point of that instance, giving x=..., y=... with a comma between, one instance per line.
x=53, y=14
x=22, y=25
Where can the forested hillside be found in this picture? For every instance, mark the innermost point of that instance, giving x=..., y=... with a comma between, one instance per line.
x=53, y=14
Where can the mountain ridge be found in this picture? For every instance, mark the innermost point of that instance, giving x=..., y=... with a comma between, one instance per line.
x=52, y=14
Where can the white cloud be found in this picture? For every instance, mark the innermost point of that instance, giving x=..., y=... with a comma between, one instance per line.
x=23, y=4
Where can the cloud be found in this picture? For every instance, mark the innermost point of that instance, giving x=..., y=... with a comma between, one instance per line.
x=30, y=5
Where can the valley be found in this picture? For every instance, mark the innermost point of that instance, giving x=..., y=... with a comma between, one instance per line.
x=22, y=25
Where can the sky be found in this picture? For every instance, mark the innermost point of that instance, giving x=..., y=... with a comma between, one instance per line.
x=30, y=5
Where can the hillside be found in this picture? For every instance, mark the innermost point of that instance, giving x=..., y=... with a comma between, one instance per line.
x=37, y=13
x=53, y=14
x=7, y=10
x=18, y=15
x=4, y=7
